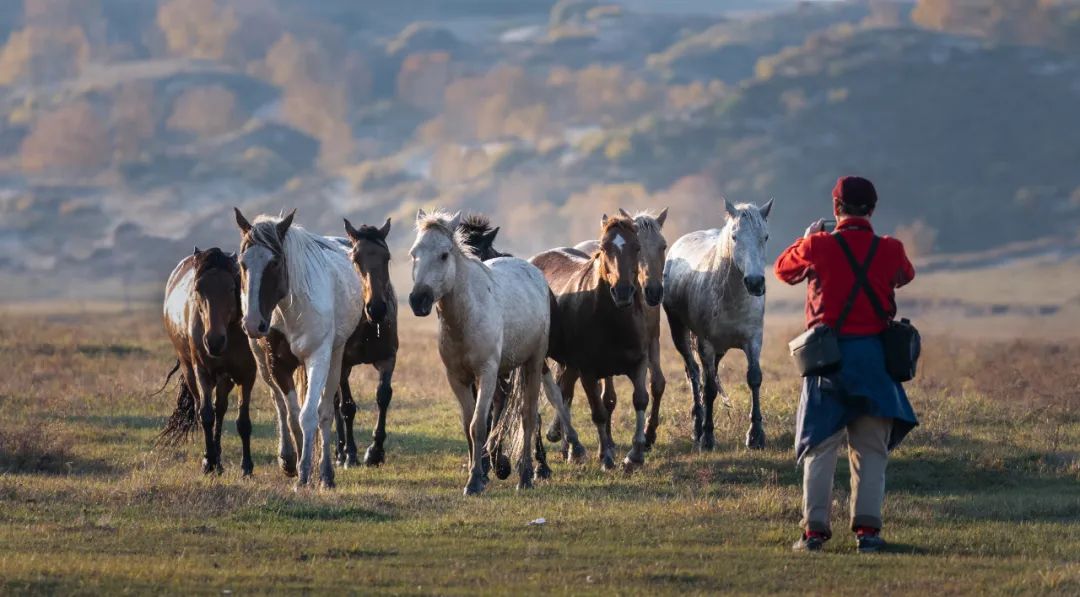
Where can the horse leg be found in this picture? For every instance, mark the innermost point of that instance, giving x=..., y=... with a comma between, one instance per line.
x=680, y=336
x=243, y=427
x=339, y=426
x=709, y=359
x=610, y=399
x=463, y=391
x=636, y=457
x=600, y=418
x=375, y=454
x=325, y=412
x=543, y=471
x=478, y=428
x=317, y=368
x=348, y=417
x=530, y=388
x=657, y=384
x=221, y=406
x=755, y=436
x=567, y=377
x=206, y=387
x=573, y=451
x=286, y=445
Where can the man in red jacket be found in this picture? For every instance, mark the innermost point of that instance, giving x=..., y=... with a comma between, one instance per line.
x=861, y=399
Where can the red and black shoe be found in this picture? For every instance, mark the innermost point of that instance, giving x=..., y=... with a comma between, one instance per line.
x=811, y=541
x=869, y=540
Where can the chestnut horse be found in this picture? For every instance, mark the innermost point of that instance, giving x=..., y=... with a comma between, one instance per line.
x=602, y=325
x=202, y=318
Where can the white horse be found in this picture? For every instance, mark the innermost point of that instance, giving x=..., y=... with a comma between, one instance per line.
x=714, y=292
x=494, y=320
x=302, y=286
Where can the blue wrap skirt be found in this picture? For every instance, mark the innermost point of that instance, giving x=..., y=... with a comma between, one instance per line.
x=861, y=387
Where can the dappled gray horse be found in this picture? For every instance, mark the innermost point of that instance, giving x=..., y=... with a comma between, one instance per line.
x=714, y=293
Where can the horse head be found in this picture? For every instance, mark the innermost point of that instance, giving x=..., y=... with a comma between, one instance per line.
x=480, y=236
x=653, y=253
x=370, y=256
x=434, y=259
x=217, y=294
x=748, y=232
x=619, y=256
x=264, y=279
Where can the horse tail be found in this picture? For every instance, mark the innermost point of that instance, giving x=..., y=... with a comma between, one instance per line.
x=182, y=421
x=168, y=378
x=506, y=435
x=556, y=340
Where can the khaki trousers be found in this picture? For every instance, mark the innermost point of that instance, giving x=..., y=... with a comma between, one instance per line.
x=868, y=453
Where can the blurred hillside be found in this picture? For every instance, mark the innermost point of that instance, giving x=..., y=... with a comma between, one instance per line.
x=129, y=127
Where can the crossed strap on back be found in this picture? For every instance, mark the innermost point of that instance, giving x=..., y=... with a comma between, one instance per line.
x=862, y=280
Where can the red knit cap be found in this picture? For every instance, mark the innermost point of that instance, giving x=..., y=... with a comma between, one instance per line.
x=856, y=193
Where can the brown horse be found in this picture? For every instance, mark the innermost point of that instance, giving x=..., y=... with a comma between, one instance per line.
x=653, y=256
x=202, y=318
x=373, y=342
x=602, y=325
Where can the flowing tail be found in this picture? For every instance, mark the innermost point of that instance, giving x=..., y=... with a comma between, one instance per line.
x=506, y=433
x=182, y=421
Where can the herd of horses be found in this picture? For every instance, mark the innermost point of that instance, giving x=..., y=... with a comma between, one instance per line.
x=300, y=310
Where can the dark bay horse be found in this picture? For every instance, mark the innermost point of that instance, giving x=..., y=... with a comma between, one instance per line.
x=653, y=256
x=602, y=324
x=374, y=342
x=202, y=318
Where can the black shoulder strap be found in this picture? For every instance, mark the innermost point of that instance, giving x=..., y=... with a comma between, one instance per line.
x=862, y=280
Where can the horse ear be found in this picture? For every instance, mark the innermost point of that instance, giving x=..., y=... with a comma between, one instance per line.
x=420, y=214
x=660, y=219
x=283, y=226
x=625, y=213
x=603, y=220
x=350, y=231
x=730, y=209
x=489, y=236
x=765, y=209
x=196, y=251
x=385, y=230
x=455, y=221
x=241, y=221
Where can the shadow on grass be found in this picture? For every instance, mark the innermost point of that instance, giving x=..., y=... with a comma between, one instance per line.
x=288, y=511
x=90, y=350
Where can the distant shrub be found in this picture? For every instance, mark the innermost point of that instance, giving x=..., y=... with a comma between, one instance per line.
x=26, y=447
x=197, y=28
x=918, y=237
x=69, y=140
x=42, y=55
x=205, y=111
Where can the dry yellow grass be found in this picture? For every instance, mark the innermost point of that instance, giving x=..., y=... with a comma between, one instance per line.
x=985, y=496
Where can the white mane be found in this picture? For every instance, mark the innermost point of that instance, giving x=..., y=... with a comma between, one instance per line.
x=306, y=255
x=440, y=219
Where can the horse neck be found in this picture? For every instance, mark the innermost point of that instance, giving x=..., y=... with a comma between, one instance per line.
x=462, y=304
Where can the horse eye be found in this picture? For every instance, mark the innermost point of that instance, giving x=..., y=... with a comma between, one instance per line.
x=445, y=256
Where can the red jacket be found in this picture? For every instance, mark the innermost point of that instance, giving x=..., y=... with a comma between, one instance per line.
x=820, y=260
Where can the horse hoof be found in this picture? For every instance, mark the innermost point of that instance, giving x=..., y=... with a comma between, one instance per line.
x=327, y=484
x=650, y=439
x=288, y=466
x=607, y=463
x=525, y=483
x=554, y=434
x=630, y=465
x=502, y=467
x=755, y=438
x=577, y=453
x=207, y=467
x=543, y=471
x=708, y=442
x=374, y=455
x=219, y=469
x=475, y=486
x=247, y=471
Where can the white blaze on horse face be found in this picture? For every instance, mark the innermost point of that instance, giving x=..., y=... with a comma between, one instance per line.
x=619, y=242
x=176, y=302
x=254, y=259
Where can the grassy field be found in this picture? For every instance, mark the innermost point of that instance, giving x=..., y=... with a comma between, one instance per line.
x=984, y=496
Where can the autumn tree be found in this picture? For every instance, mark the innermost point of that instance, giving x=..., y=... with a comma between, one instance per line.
x=71, y=140
x=133, y=118
x=197, y=28
x=205, y=111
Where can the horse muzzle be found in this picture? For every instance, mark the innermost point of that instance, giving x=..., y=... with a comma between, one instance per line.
x=256, y=329
x=654, y=294
x=216, y=344
x=622, y=295
x=421, y=302
x=755, y=285
x=376, y=311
